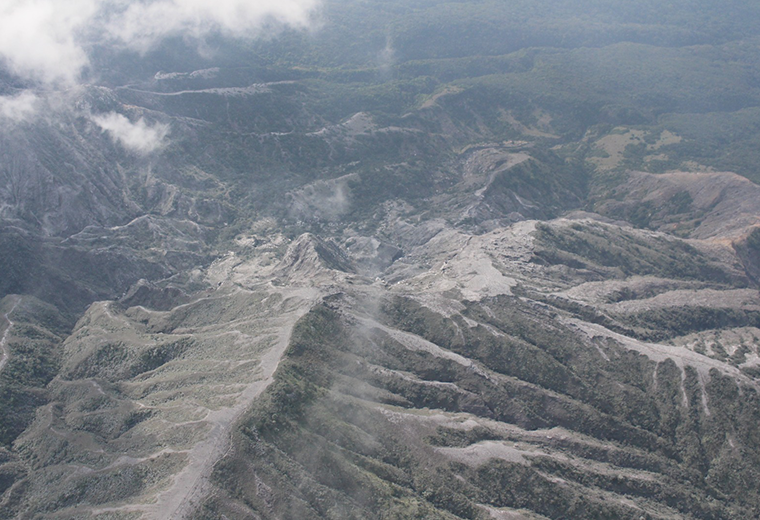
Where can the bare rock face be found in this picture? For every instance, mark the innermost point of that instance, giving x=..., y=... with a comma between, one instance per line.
x=510, y=186
x=151, y=296
x=310, y=258
x=372, y=255
x=59, y=181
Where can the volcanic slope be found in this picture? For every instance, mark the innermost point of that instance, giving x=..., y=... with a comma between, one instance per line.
x=144, y=403
x=541, y=370
x=500, y=274
x=544, y=368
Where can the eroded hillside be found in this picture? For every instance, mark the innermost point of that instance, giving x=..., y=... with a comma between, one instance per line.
x=428, y=260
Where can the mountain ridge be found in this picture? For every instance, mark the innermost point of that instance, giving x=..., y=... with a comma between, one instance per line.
x=391, y=268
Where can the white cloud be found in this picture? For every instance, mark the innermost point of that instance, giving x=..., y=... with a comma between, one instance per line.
x=45, y=40
x=141, y=25
x=19, y=107
x=139, y=137
x=39, y=39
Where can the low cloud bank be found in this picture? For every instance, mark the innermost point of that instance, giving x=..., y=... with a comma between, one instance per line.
x=18, y=108
x=45, y=40
x=40, y=39
x=142, y=25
